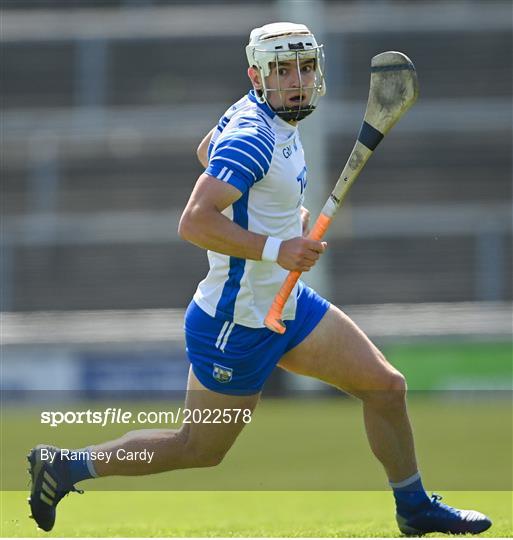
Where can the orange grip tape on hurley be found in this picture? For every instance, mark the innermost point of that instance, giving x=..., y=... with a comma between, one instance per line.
x=273, y=318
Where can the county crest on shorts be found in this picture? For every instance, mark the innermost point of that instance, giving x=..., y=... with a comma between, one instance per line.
x=222, y=374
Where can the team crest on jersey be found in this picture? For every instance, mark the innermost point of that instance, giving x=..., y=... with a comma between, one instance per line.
x=222, y=374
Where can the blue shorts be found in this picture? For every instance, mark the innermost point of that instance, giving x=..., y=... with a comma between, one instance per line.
x=233, y=359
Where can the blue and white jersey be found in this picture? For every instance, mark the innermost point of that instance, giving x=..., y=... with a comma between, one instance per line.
x=261, y=155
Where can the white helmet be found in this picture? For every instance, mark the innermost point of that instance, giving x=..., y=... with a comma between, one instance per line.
x=285, y=41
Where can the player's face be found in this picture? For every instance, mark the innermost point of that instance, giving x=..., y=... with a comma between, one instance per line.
x=290, y=84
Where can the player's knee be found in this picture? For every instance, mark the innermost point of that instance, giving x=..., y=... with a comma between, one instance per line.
x=398, y=384
x=393, y=381
x=213, y=459
x=394, y=389
x=389, y=393
x=206, y=457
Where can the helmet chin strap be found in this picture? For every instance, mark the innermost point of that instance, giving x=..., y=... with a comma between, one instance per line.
x=294, y=113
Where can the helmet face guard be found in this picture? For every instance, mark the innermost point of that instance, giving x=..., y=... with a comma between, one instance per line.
x=277, y=43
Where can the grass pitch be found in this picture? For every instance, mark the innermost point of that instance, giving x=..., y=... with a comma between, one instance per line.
x=294, y=471
x=236, y=514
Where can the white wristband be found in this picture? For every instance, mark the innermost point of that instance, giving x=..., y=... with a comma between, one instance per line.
x=271, y=249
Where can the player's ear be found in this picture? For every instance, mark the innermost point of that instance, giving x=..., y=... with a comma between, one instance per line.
x=254, y=76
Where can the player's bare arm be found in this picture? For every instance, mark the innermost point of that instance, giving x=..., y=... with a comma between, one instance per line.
x=204, y=225
x=202, y=151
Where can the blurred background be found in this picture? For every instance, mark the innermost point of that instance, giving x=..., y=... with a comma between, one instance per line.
x=103, y=106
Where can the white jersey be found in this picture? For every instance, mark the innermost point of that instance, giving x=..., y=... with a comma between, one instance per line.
x=260, y=154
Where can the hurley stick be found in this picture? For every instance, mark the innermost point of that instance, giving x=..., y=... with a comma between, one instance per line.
x=393, y=90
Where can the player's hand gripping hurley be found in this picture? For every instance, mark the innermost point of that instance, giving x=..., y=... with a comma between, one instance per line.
x=393, y=90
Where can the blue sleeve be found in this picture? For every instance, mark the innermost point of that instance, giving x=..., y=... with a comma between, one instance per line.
x=242, y=157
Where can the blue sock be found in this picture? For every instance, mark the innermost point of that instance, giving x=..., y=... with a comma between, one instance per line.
x=79, y=465
x=409, y=495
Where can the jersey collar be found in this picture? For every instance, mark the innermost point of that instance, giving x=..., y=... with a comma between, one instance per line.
x=268, y=111
x=264, y=106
